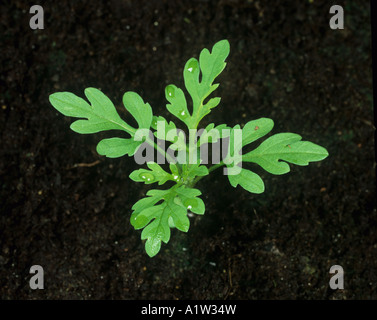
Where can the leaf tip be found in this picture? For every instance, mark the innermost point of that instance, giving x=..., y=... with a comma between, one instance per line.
x=223, y=45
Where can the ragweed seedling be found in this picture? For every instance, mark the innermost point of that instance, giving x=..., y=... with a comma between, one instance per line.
x=168, y=208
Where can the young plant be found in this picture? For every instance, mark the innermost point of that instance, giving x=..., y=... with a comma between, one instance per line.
x=168, y=208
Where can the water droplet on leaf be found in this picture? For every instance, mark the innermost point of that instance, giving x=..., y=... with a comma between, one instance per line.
x=191, y=203
x=146, y=176
x=170, y=91
x=192, y=66
x=183, y=114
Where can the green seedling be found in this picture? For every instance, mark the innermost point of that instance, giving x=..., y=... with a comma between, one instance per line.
x=162, y=210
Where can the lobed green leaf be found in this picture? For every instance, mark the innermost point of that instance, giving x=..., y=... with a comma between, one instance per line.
x=210, y=65
x=100, y=116
x=189, y=199
x=142, y=112
x=178, y=104
x=155, y=232
x=155, y=174
x=163, y=209
x=286, y=147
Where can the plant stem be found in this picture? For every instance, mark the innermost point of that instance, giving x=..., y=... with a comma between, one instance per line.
x=159, y=149
x=214, y=167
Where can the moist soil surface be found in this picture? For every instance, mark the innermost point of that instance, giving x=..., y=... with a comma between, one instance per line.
x=67, y=209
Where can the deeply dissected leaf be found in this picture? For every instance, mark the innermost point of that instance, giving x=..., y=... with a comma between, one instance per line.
x=156, y=231
x=143, y=205
x=154, y=196
x=158, y=228
x=155, y=174
x=101, y=115
x=154, y=217
x=210, y=65
x=287, y=147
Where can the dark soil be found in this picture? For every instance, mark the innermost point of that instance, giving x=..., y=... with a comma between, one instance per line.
x=66, y=208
